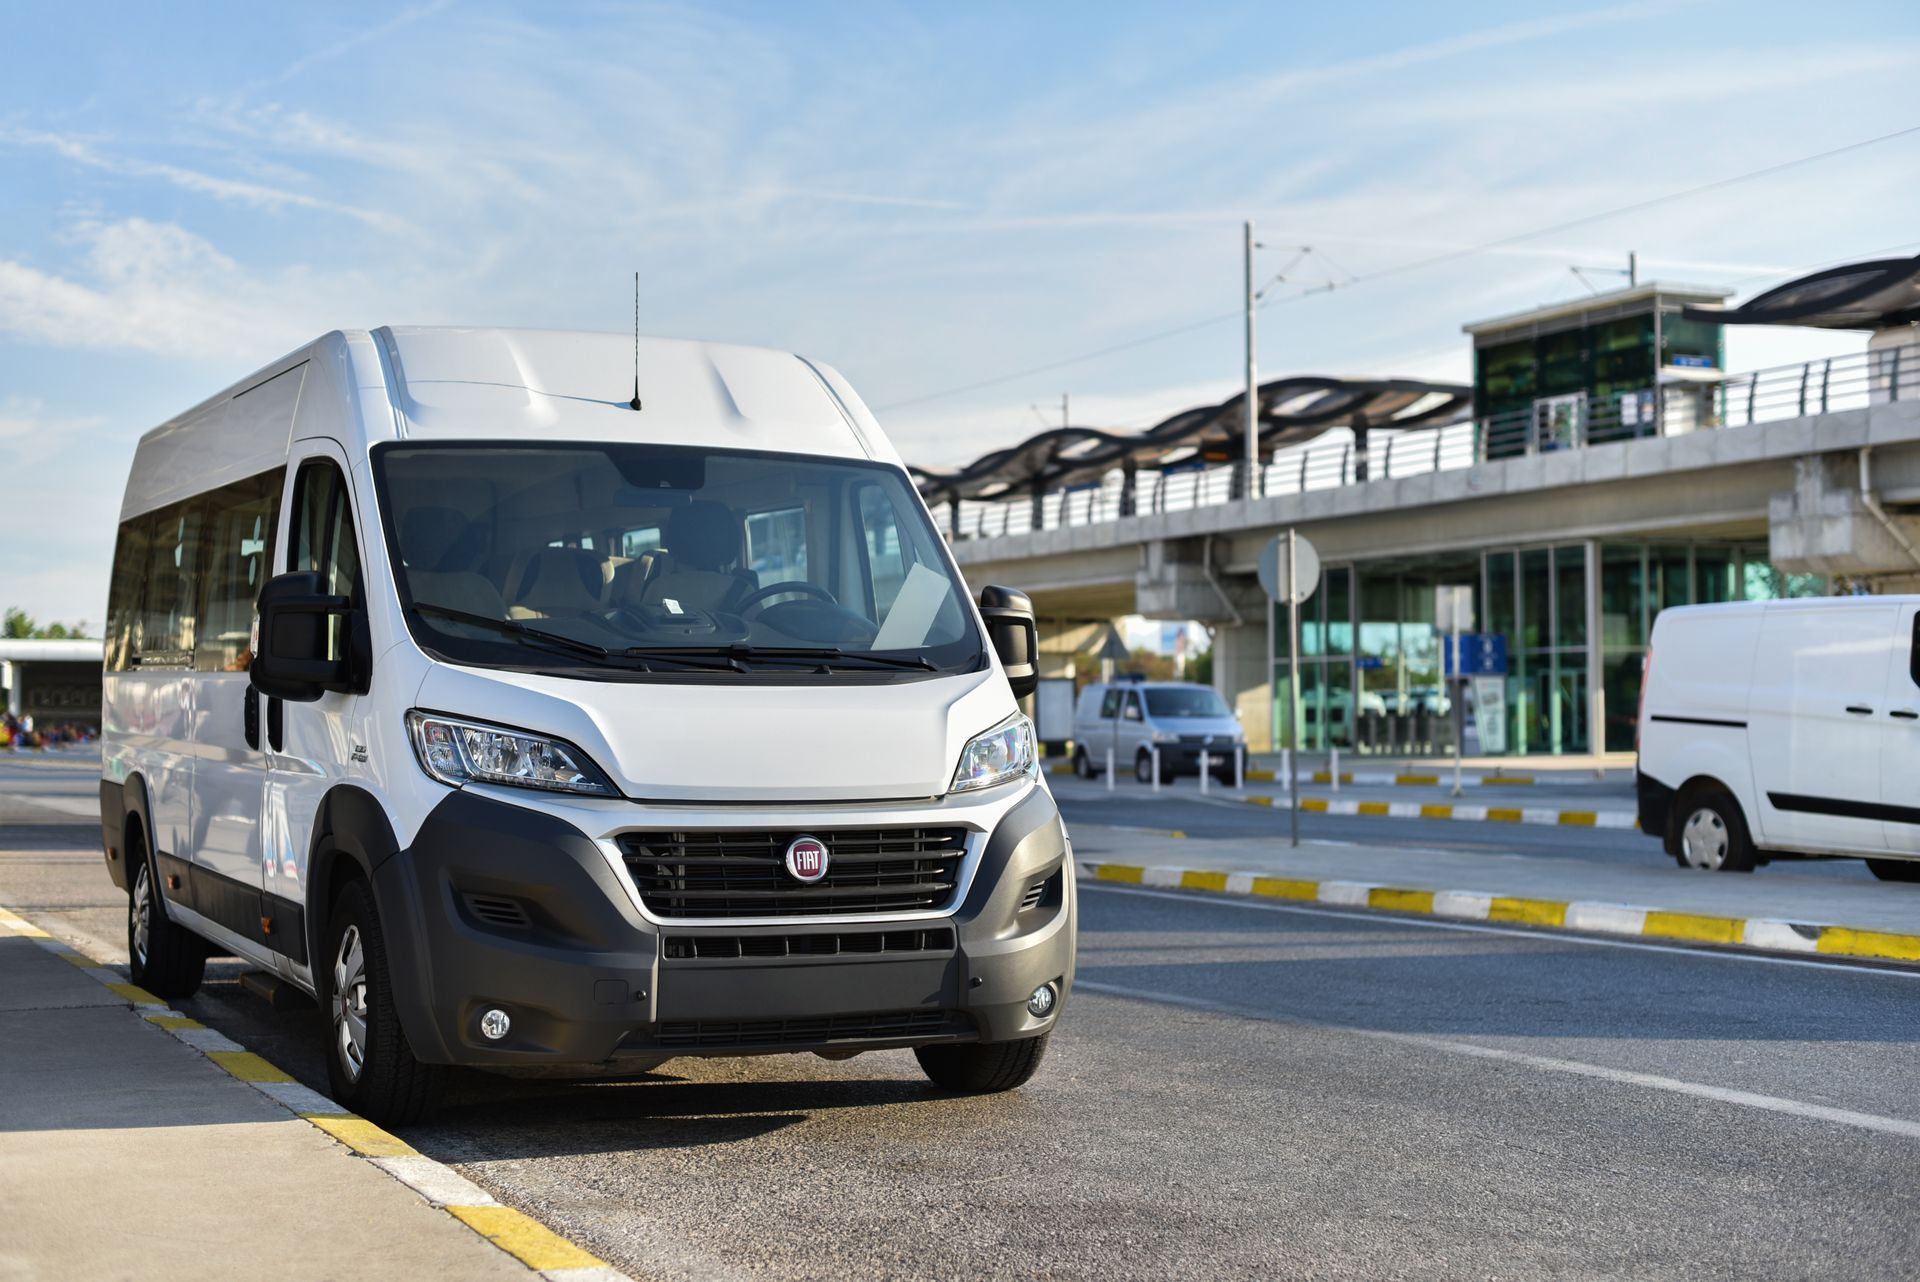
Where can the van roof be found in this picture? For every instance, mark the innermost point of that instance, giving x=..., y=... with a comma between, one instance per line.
x=407, y=382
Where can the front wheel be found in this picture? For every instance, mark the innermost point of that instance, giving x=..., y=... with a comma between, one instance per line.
x=982, y=1068
x=1082, y=764
x=166, y=959
x=1895, y=869
x=1143, y=768
x=370, y=1066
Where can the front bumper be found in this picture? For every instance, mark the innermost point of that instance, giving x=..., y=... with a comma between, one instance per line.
x=499, y=905
x=1184, y=759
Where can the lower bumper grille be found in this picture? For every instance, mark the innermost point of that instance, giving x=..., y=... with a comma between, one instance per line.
x=818, y=1031
x=845, y=944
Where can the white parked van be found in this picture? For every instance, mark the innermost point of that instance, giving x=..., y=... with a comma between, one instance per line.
x=1784, y=726
x=1136, y=722
x=527, y=727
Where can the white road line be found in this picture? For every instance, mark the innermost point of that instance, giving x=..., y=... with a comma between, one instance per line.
x=1537, y=936
x=1625, y=1077
x=80, y=808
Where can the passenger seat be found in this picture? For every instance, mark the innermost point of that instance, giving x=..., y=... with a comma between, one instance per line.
x=557, y=581
x=440, y=547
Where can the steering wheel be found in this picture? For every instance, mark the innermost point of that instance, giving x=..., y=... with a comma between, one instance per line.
x=801, y=586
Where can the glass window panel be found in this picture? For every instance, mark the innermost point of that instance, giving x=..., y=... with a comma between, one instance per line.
x=167, y=619
x=777, y=543
x=1338, y=585
x=1714, y=575
x=1499, y=616
x=1620, y=679
x=1536, y=600
x=240, y=525
x=1622, y=594
x=1570, y=607
x=130, y=564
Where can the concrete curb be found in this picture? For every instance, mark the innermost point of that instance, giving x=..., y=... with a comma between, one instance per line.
x=1591, y=917
x=1447, y=810
x=527, y=1240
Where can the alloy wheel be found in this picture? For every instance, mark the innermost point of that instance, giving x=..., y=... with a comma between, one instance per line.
x=350, y=1003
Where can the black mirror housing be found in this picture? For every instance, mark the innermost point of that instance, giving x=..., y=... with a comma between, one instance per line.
x=1015, y=634
x=291, y=661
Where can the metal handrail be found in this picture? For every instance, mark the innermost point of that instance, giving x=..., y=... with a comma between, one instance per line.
x=1740, y=400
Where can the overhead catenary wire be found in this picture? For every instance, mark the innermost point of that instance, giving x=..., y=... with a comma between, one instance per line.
x=1400, y=269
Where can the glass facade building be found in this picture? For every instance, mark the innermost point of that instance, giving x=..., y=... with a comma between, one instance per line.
x=1576, y=616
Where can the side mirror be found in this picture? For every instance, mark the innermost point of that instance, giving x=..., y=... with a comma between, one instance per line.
x=1015, y=636
x=292, y=660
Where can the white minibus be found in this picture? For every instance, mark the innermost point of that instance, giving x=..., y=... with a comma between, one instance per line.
x=1784, y=727
x=527, y=725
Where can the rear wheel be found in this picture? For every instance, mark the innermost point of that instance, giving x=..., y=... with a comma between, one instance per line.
x=370, y=1066
x=166, y=959
x=1895, y=869
x=1712, y=834
x=982, y=1068
x=1082, y=764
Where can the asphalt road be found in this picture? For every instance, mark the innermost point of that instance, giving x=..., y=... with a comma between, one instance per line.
x=1237, y=1090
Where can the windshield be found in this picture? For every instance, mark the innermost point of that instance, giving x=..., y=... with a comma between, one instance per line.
x=1190, y=701
x=650, y=558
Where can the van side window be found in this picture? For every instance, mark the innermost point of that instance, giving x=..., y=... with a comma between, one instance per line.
x=322, y=540
x=1132, y=709
x=167, y=620
x=240, y=523
x=124, y=596
x=1110, y=705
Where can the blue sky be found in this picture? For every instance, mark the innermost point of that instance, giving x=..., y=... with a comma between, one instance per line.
x=925, y=195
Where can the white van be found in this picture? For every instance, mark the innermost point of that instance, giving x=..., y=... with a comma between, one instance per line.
x=1784, y=726
x=1137, y=721
x=528, y=727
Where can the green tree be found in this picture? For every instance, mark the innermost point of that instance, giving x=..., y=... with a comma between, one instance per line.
x=18, y=625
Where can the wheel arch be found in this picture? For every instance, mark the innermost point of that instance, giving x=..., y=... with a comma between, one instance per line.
x=1697, y=785
x=351, y=838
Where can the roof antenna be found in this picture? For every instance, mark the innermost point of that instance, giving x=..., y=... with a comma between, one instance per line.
x=635, y=402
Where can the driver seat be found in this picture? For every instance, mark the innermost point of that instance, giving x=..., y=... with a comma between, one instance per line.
x=704, y=543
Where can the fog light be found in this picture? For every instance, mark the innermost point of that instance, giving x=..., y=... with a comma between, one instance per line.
x=1040, y=1004
x=494, y=1024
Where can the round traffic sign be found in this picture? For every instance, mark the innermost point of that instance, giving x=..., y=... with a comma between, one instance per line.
x=1273, y=569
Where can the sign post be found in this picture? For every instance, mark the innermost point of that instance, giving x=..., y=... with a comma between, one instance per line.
x=1290, y=571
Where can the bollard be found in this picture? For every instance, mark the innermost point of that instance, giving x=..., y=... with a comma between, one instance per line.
x=1153, y=764
x=1109, y=769
x=1336, y=770
x=1206, y=769
x=1240, y=767
x=1286, y=768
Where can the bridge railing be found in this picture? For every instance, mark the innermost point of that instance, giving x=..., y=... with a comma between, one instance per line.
x=1713, y=402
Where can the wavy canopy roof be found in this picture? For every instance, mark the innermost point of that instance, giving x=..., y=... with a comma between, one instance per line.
x=1869, y=295
x=1292, y=411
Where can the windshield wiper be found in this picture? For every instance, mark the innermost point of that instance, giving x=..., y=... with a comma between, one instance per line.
x=515, y=628
x=824, y=657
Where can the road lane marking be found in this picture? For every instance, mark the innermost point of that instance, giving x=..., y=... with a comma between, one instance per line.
x=1539, y=937
x=1546, y=1063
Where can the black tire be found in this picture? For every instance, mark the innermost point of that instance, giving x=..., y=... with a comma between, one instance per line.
x=982, y=1068
x=165, y=958
x=389, y=1085
x=1895, y=869
x=1082, y=764
x=1143, y=768
x=1711, y=815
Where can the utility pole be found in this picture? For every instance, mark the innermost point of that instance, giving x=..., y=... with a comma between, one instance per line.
x=1633, y=268
x=1253, y=381
x=1066, y=414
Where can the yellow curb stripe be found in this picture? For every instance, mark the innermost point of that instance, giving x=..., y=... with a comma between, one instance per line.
x=1416, y=781
x=1708, y=930
x=1060, y=769
x=1260, y=801
x=525, y=1239
x=174, y=1021
x=247, y=1066
x=73, y=958
x=1499, y=779
x=1200, y=879
x=136, y=994
x=1531, y=912
x=1376, y=808
x=1869, y=943
x=1400, y=901
x=360, y=1135
x=1579, y=818
x=1316, y=805
x=20, y=926
x=1501, y=815
x=1260, y=776
x=1176, y=833
x=1129, y=873
x=1286, y=888
x=1430, y=811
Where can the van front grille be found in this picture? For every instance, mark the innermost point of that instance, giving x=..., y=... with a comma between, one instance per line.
x=822, y=1030
x=855, y=943
x=694, y=874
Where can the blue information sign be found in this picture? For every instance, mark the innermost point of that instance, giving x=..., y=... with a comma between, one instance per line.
x=1482, y=654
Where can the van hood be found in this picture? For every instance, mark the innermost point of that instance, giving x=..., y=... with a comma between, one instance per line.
x=745, y=742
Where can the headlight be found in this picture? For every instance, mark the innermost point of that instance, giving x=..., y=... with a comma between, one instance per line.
x=463, y=752
x=1002, y=753
x=1161, y=736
